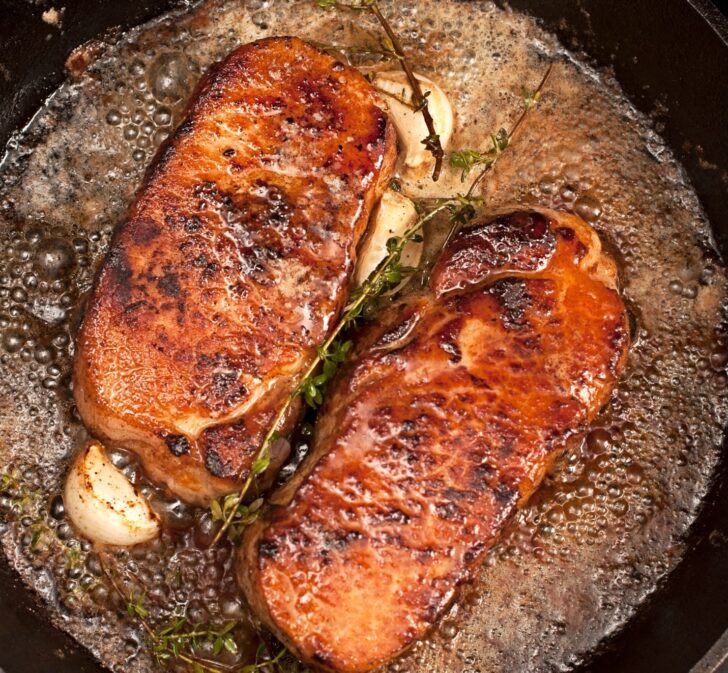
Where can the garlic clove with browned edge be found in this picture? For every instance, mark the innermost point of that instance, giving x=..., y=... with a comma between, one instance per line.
x=409, y=122
x=392, y=217
x=103, y=505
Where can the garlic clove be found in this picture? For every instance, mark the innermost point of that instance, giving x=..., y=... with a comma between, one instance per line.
x=392, y=217
x=409, y=123
x=103, y=505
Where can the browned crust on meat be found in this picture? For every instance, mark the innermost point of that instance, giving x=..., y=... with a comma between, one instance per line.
x=233, y=263
x=451, y=411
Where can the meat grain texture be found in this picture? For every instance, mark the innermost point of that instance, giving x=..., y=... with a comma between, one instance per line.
x=452, y=409
x=232, y=264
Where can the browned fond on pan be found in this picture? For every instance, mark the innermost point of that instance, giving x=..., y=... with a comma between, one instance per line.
x=446, y=419
x=232, y=264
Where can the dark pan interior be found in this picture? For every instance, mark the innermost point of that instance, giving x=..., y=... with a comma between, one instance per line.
x=668, y=55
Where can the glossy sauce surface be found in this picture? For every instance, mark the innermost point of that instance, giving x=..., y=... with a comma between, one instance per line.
x=607, y=526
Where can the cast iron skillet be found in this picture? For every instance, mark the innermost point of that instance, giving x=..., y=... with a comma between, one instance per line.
x=674, y=52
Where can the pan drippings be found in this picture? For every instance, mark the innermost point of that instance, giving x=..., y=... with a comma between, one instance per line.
x=607, y=526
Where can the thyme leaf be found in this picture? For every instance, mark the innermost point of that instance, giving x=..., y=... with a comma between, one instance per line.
x=135, y=606
x=467, y=160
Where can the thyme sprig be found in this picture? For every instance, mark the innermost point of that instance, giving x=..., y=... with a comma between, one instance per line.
x=21, y=504
x=235, y=515
x=468, y=159
x=28, y=507
x=179, y=641
x=231, y=508
x=352, y=53
x=175, y=639
x=393, y=45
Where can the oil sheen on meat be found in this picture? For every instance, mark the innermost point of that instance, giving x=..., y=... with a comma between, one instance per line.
x=445, y=421
x=232, y=264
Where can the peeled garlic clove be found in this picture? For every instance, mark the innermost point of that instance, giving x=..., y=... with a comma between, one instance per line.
x=410, y=124
x=392, y=217
x=103, y=504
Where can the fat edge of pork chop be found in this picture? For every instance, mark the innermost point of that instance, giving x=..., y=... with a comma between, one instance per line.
x=445, y=420
x=232, y=264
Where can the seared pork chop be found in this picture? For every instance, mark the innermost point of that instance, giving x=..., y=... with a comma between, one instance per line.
x=451, y=410
x=232, y=264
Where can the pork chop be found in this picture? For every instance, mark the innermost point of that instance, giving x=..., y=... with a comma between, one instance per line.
x=232, y=264
x=447, y=417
